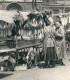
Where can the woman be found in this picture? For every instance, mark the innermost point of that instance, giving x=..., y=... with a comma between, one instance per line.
x=49, y=43
x=59, y=41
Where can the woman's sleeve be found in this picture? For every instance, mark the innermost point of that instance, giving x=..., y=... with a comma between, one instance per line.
x=54, y=32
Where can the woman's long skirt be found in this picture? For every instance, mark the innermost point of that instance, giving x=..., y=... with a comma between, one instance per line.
x=50, y=54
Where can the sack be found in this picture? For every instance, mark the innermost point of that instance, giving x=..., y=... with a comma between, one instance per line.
x=12, y=60
x=2, y=68
x=23, y=67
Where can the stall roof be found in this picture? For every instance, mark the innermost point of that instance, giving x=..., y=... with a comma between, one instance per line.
x=25, y=15
x=62, y=14
x=8, y=16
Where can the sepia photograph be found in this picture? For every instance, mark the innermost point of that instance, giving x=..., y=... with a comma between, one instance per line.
x=34, y=39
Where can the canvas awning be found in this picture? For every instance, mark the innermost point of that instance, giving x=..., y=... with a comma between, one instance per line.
x=25, y=15
x=8, y=16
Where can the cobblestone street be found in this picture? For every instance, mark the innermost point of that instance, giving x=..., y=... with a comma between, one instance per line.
x=57, y=73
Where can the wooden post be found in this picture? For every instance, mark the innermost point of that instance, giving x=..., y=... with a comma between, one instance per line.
x=64, y=6
x=35, y=4
x=32, y=4
x=64, y=46
x=36, y=61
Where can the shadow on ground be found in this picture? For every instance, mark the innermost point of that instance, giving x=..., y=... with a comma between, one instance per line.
x=4, y=75
x=41, y=65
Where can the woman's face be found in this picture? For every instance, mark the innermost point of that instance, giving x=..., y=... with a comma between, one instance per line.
x=57, y=24
x=51, y=20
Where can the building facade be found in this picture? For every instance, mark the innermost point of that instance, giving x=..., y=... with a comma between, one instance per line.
x=21, y=5
x=57, y=6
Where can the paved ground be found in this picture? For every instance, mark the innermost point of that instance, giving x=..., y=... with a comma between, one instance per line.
x=57, y=73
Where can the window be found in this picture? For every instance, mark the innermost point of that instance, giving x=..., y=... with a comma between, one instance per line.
x=55, y=11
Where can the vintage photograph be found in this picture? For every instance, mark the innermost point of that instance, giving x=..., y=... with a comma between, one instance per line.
x=34, y=39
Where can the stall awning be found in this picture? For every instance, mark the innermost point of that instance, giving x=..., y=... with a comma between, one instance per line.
x=25, y=15
x=8, y=16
